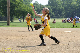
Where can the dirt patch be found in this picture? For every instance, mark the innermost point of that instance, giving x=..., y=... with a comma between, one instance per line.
x=20, y=40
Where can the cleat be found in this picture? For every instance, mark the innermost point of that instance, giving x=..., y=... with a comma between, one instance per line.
x=28, y=30
x=58, y=42
x=32, y=30
x=42, y=44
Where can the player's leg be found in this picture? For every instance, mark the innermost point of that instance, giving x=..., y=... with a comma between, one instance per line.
x=44, y=31
x=73, y=25
x=76, y=25
x=56, y=41
x=41, y=37
x=28, y=28
x=31, y=27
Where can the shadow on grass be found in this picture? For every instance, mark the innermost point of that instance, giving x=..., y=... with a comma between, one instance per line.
x=16, y=22
x=11, y=22
x=25, y=46
x=3, y=23
x=13, y=25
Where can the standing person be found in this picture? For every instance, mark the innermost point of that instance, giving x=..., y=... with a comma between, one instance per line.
x=46, y=31
x=71, y=19
x=19, y=19
x=34, y=20
x=74, y=22
x=28, y=19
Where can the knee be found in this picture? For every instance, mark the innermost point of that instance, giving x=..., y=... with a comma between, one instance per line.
x=40, y=35
x=30, y=26
x=49, y=36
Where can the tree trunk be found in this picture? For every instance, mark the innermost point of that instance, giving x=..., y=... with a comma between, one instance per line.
x=23, y=18
x=8, y=12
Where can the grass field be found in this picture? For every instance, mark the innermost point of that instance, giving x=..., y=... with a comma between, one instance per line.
x=58, y=24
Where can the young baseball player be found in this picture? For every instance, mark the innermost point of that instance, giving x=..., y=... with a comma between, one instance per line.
x=28, y=17
x=74, y=22
x=46, y=30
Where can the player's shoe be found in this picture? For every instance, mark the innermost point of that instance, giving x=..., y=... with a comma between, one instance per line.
x=42, y=44
x=28, y=30
x=32, y=30
x=58, y=42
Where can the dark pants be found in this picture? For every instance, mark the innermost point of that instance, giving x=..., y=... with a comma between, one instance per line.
x=30, y=26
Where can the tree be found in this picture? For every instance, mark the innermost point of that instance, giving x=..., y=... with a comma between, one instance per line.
x=17, y=8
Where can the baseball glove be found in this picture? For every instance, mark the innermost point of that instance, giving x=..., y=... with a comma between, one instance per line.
x=37, y=26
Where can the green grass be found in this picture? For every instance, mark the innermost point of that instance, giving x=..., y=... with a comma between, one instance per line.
x=58, y=24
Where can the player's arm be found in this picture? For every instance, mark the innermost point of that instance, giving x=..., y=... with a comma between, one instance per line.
x=35, y=12
x=45, y=23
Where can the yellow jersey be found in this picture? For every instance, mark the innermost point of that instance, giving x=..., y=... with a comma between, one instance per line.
x=74, y=21
x=42, y=20
x=46, y=29
x=28, y=21
x=28, y=18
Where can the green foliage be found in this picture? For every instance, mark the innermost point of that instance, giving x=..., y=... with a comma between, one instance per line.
x=58, y=8
x=38, y=8
x=17, y=8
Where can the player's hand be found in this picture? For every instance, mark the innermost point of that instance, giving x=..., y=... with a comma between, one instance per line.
x=33, y=8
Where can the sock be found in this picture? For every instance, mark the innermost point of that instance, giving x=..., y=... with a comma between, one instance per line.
x=73, y=25
x=28, y=27
x=54, y=38
x=31, y=27
x=41, y=38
